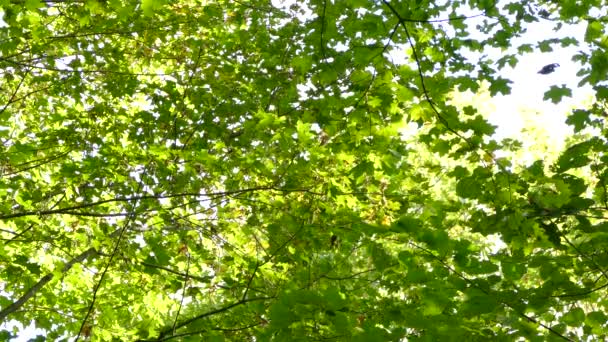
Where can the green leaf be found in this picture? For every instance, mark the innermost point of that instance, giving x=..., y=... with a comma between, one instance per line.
x=302, y=63
x=500, y=85
x=596, y=319
x=334, y=299
x=442, y=147
x=431, y=308
x=479, y=303
x=480, y=126
x=280, y=315
x=601, y=92
x=33, y=5
x=303, y=130
x=579, y=119
x=328, y=76
x=243, y=171
x=555, y=94
x=512, y=270
x=574, y=317
x=381, y=259
x=574, y=157
x=370, y=334
x=594, y=30
x=341, y=323
x=468, y=187
x=469, y=110
x=407, y=224
x=545, y=45
x=149, y=7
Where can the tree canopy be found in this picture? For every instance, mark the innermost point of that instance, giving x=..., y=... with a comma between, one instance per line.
x=226, y=170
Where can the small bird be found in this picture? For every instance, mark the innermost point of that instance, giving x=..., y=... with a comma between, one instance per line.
x=549, y=68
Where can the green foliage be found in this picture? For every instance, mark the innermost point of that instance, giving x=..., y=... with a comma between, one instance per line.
x=555, y=94
x=235, y=171
x=579, y=119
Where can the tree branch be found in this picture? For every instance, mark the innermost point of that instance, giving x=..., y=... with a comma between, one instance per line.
x=70, y=210
x=43, y=281
x=163, y=334
x=183, y=275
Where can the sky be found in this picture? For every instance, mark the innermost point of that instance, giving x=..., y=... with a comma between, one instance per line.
x=525, y=104
x=528, y=86
x=524, y=108
x=511, y=113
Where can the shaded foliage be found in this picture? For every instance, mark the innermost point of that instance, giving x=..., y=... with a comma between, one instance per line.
x=232, y=170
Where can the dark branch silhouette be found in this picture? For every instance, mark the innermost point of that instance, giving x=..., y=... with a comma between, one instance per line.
x=43, y=281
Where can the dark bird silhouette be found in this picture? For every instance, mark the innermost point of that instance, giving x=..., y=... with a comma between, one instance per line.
x=549, y=68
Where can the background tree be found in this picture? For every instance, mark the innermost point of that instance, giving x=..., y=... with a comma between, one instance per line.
x=232, y=170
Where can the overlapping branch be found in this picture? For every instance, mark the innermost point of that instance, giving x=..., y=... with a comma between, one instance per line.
x=43, y=281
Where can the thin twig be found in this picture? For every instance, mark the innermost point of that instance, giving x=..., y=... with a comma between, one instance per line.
x=181, y=303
